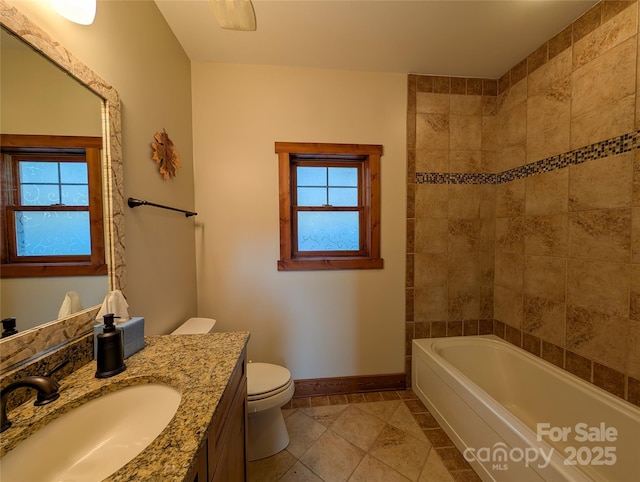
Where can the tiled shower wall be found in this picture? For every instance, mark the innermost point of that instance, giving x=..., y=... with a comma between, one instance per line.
x=524, y=203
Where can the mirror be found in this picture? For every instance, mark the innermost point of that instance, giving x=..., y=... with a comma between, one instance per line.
x=38, y=98
x=29, y=343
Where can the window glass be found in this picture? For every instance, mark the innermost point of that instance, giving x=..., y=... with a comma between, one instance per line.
x=73, y=172
x=343, y=176
x=52, y=233
x=73, y=195
x=312, y=176
x=34, y=172
x=328, y=231
x=39, y=194
x=49, y=183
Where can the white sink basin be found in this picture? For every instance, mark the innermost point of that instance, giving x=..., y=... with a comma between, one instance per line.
x=93, y=440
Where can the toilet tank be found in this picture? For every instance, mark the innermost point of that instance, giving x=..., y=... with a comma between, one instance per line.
x=195, y=326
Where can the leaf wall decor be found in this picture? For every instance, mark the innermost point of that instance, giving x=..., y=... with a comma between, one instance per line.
x=165, y=155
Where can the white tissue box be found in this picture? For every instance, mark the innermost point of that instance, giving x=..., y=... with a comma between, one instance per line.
x=132, y=333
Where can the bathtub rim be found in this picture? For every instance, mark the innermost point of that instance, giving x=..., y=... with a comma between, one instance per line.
x=486, y=407
x=580, y=383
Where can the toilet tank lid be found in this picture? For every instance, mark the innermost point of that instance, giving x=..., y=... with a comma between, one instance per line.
x=195, y=326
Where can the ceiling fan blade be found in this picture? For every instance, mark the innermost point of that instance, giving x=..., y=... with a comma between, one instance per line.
x=234, y=14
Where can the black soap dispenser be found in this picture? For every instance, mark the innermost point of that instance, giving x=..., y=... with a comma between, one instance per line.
x=110, y=349
x=9, y=327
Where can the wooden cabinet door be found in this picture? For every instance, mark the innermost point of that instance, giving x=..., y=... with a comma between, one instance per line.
x=232, y=461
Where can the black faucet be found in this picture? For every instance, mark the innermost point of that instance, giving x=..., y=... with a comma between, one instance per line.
x=46, y=386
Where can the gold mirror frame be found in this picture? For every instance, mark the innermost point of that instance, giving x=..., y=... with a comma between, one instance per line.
x=28, y=344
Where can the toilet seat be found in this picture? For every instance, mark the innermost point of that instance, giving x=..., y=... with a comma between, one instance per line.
x=266, y=380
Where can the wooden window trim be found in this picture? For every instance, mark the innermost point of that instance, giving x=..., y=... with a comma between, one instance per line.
x=369, y=257
x=90, y=265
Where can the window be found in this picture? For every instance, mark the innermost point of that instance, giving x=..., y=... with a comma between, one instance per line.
x=329, y=206
x=52, y=222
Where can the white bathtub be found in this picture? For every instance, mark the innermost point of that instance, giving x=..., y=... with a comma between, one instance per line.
x=516, y=417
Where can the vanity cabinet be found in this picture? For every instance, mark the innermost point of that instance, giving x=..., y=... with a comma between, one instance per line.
x=223, y=458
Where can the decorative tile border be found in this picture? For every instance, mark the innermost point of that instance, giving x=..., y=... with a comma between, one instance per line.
x=599, y=150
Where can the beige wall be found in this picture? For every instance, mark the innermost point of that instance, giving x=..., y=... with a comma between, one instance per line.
x=566, y=275
x=131, y=47
x=317, y=323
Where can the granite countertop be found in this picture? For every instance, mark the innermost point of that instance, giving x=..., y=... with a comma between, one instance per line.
x=198, y=365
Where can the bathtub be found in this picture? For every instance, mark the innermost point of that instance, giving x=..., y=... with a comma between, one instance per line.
x=516, y=417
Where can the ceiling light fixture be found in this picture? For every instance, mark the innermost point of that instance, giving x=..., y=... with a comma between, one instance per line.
x=234, y=14
x=78, y=11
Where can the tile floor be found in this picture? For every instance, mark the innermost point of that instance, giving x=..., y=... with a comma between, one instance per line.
x=363, y=437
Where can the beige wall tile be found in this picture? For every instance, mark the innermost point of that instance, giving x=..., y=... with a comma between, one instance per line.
x=603, y=234
x=510, y=234
x=510, y=198
x=431, y=235
x=613, y=7
x=486, y=303
x=634, y=296
x=546, y=235
x=635, y=235
x=610, y=120
x=636, y=179
x=509, y=270
x=489, y=163
x=545, y=277
x=510, y=157
x=549, y=101
x=544, y=318
x=547, y=143
x=486, y=260
x=465, y=200
x=606, y=37
x=464, y=304
x=464, y=235
x=430, y=270
x=593, y=82
x=466, y=161
x=514, y=96
x=488, y=203
x=601, y=286
x=489, y=105
x=598, y=336
x=432, y=160
x=487, y=234
x=431, y=200
x=547, y=193
x=465, y=132
x=633, y=356
x=463, y=272
x=550, y=76
x=512, y=126
x=428, y=103
x=431, y=304
x=432, y=131
x=601, y=184
x=466, y=104
x=489, y=133
x=508, y=306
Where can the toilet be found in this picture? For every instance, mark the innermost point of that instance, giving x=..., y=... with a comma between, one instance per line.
x=269, y=387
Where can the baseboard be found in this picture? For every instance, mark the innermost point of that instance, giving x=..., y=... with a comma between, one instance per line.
x=313, y=387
